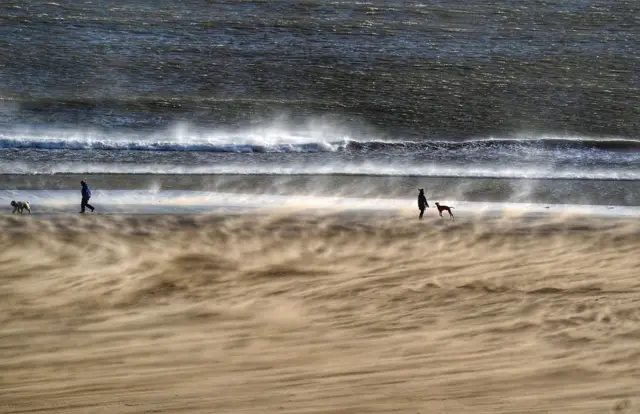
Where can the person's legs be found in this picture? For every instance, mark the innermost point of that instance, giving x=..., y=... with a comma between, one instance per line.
x=421, y=213
x=84, y=204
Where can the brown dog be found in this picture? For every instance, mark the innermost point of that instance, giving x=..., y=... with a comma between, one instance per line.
x=445, y=208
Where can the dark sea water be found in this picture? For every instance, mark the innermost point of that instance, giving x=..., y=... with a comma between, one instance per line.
x=481, y=101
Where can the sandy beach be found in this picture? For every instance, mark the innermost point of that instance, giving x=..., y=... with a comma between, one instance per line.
x=318, y=313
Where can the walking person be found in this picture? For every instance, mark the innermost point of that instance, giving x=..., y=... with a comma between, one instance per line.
x=422, y=203
x=86, y=195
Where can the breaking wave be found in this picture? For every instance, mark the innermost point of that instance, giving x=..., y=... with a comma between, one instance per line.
x=278, y=141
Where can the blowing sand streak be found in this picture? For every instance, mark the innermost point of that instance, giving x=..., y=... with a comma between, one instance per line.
x=318, y=313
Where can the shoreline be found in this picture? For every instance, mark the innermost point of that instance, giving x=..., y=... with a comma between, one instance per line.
x=47, y=203
x=476, y=189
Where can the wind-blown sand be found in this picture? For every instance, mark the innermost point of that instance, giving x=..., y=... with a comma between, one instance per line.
x=319, y=314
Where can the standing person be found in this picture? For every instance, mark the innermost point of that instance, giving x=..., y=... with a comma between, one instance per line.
x=86, y=195
x=422, y=202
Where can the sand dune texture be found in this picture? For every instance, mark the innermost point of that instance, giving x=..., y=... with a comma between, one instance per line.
x=318, y=314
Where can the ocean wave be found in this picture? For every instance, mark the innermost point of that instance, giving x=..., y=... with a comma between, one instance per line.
x=371, y=169
x=125, y=145
x=304, y=143
x=497, y=144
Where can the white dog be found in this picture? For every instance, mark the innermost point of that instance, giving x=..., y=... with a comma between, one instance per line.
x=19, y=206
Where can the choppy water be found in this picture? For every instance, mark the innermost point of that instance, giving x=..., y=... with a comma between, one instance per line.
x=482, y=101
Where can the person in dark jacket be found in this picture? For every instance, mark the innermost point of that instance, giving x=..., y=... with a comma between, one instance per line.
x=86, y=195
x=422, y=202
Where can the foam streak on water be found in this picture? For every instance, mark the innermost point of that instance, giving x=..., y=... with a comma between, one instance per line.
x=371, y=169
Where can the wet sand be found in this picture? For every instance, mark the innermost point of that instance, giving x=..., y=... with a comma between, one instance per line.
x=590, y=190
x=319, y=313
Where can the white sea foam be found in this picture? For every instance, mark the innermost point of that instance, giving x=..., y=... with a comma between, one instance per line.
x=277, y=136
x=373, y=168
x=274, y=137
